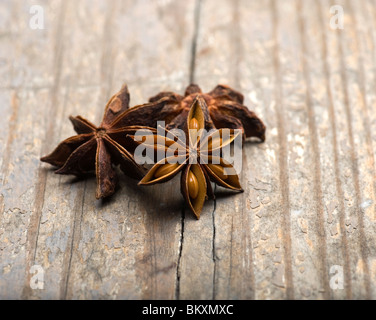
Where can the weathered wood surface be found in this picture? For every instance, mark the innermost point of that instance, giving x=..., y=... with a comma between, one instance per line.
x=309, y=200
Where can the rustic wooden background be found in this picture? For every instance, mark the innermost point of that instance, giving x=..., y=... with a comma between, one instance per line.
x=309, y=200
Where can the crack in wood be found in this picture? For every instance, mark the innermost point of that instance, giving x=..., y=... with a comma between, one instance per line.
x=197, y=13
x=181, y=243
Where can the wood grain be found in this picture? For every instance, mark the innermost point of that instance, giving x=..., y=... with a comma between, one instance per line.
x=308, y=206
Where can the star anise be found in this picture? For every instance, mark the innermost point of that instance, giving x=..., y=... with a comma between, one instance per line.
x=100, y=148
x=199, y=162
x=225, y=106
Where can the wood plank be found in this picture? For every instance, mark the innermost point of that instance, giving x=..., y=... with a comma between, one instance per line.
x=129, y=247
x=367, y=59
x=316, y=235
x=243, y=258
x=259, y=79
x=305, y=208
x=369, y=12
x=363, y=168
x=25, y=80
x=330, y=128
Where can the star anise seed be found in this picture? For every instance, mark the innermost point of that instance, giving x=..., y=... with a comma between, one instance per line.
x=225, y=106
x=100, y=148
x=195, y=177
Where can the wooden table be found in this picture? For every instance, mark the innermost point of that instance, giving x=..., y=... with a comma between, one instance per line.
x=305, y=226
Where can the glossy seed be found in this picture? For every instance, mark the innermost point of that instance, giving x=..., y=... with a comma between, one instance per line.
x=218, y=170
x=192, y=185
x=193, y=130
x=165, y=169
x=193, y=124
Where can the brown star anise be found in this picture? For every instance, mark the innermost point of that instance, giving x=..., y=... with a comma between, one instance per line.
x=199, y=162
x=225, y=106
x=100, y=148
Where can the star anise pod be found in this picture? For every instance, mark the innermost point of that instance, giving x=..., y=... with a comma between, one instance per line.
x=225, y=106
x=100, y=148
x=203, y=148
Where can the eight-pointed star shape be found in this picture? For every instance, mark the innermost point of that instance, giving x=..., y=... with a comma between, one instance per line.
x=100, y=148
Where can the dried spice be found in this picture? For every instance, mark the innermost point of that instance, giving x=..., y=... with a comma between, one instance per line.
x=225, y=106
x=196, y=175
x=100, y=148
